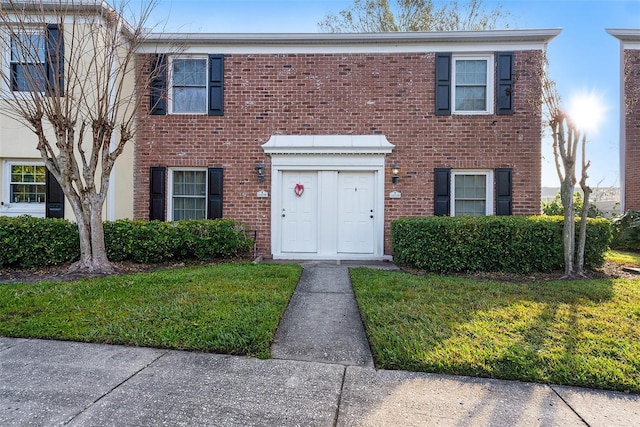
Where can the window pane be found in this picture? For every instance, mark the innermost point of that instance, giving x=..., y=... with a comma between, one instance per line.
x=189, y=100
x=189, y=72
x=27, y=68
x=471, y=85
x=28, y=48
x=470, y=207
x=470, y=98
x=471, y=72
x=189, y=208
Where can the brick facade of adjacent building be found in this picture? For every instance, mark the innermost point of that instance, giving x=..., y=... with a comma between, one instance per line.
x=631, y=149
x=346, y=94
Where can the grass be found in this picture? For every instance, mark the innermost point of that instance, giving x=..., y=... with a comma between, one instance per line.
x=631, y=259
x=583, y=333
x=231, y=308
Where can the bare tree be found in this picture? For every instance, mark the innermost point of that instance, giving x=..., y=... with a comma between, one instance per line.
x=71, y=81
x=568, y=141
x=371, y=16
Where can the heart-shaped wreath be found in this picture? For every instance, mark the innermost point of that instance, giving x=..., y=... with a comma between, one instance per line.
x=299, y=189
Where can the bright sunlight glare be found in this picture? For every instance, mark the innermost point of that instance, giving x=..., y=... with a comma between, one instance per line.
x=587, y=110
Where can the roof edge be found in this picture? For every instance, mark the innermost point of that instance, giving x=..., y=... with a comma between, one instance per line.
x=625, y=34
x=529, y=35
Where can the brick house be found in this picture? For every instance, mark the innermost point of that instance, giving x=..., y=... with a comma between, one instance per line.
x=318, y=141
x=629, y=117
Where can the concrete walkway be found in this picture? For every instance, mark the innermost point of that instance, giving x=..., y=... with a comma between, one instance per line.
x=322, y=322
x=326, y=383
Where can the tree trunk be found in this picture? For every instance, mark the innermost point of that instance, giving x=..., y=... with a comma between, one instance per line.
x=582, y=236
x=93, y=255
x=568, y=231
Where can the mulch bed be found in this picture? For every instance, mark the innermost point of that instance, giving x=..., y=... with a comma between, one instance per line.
x=61, y=273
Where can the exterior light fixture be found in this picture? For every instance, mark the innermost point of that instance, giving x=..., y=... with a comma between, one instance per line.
x=260, y=171
x=395, y=172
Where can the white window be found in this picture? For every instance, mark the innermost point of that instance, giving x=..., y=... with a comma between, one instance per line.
x=188, y=198
x=23, y=188
x=472, y=84
x=27, y=61
x=188, y=76
x=471, y=192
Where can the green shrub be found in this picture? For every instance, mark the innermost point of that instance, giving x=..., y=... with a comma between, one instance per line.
x=156, y=241
x=556, y=208
x=627, y=231
x=494, y=243
x=28, y=242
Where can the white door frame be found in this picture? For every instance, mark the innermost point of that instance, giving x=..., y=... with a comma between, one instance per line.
x=327, y=154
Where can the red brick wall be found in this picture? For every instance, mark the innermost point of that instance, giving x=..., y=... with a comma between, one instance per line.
x=361, y=94
x=632, y=130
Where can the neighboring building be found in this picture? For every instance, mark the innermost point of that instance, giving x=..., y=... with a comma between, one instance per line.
x=26, y=187
x=330, y=116
x=629, y=116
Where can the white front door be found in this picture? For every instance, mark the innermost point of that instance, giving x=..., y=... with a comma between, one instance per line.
x=299, y=212
x=356, y=216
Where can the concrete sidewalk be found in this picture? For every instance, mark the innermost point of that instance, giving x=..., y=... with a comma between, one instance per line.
x=329, y=382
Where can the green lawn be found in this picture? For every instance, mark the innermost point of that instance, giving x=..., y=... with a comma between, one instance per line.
x=584, y=333
x=231, y=308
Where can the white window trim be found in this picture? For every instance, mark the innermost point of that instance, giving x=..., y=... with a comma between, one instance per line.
x=14, y=209
x=7, y=93
x=170, y=188
x=170, y=83
x=488, y=173
x=490, y=82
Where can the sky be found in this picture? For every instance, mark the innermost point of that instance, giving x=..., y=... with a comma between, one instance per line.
x=584, y=60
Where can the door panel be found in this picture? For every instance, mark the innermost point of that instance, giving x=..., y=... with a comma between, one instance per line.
x=356, y=217
x=299, y=214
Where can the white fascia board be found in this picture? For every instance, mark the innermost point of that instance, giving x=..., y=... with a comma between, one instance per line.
x=629, y=37
x=328, y=144
x=348, y=42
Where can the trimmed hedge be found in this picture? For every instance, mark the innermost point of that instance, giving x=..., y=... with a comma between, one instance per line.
x=157, y=241
x=28, y=242
x=512, y=244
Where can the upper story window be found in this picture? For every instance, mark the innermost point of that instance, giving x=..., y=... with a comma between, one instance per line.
x=472, y=84
x=467, y=83
x=34, y=60
x=28, y=62
x=189, y=85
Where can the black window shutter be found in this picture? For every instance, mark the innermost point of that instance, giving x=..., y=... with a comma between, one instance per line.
x=443, y=84
x=157, y=193
x=158, y=86
x=214, y=196
x=441, y=186
x=54, y=197
x=503, y=191
x=504, y=83
x=216, y=85
x=55, y=59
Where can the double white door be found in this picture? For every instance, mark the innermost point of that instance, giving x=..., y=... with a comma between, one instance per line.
x=332, y=212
